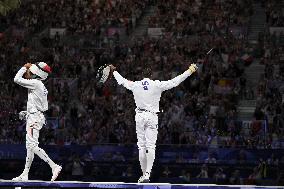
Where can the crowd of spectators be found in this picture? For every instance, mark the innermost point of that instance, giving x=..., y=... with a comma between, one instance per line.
x=194, y=113
x=184, y=17
x=198, y=112
x=270, y=90
x=270, y=104
x=274, y=13
x=78, y=17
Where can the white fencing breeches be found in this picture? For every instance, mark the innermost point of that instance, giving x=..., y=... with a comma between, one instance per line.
x=146, y=129
x=33, y=126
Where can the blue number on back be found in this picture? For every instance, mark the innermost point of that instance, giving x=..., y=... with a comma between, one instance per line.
x=145, y=83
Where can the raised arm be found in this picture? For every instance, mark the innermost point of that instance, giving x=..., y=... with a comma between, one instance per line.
x=121, y=80
x=166, y=85
x=27, y=83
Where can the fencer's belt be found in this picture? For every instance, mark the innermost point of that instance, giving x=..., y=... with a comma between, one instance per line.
x=144, y=110
x=38, y=112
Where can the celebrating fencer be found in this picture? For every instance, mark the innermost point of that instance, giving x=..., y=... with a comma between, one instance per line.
x=147, y=94
x=31, y=76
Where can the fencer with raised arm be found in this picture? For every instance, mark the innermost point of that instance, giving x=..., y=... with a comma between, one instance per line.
x=147, y=94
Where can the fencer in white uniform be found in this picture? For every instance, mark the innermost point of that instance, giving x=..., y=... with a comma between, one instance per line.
x=37, y=104
x=147, y=94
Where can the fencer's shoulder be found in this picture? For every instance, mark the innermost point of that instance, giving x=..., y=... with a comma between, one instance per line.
x=156, y=82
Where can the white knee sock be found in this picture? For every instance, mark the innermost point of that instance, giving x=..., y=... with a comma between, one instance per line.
x=42, y=154
x=150, y=155
x=29, y=161
x=143, y=160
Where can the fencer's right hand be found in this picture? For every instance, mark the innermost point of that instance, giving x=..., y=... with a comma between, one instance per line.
x=193, y=68
x=22, y=115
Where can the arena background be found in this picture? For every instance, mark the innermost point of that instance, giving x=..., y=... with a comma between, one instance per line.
x=223, y=125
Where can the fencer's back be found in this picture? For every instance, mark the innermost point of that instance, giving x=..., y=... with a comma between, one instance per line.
x=147, y=95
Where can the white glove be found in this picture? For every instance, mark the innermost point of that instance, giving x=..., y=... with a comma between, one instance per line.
x=22, y=115
x=192, y=68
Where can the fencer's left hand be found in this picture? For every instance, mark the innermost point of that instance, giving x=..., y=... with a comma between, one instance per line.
x=22, y=115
